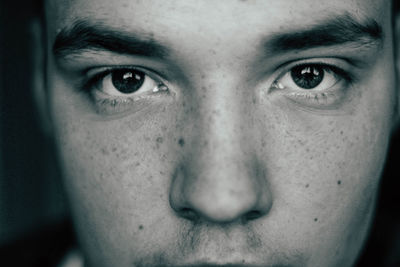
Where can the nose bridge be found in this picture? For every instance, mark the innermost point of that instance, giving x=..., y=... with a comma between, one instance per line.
x=220, y=145
x=220, y=179
x=220, y=120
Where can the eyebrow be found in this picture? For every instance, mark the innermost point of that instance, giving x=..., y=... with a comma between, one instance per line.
x=88, y=36
x=340, y=30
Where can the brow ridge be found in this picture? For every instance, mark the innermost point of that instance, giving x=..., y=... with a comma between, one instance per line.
x=95, y=36
x=339, y=30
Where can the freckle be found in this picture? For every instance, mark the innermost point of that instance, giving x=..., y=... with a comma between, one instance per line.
x=315, y=219
x=263, y=144
x=339, y=182
x=341, y=132
x=104, y=151
x=114, y=149
x=307, y=185
x=159, y=140
x=181, y=142
x=137, y=164
x=140, y=227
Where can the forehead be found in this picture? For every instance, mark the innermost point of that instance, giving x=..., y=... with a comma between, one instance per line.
x=208, y=17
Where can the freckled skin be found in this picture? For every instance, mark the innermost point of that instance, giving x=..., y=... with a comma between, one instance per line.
x=221, y=171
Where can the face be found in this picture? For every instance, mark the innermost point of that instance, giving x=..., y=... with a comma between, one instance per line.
x=221, y=132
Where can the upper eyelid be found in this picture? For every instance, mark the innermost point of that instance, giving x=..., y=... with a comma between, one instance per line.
x=321, y=59
x=337, y=62
x=338, y=68
x=95, y=74
x=108, y=69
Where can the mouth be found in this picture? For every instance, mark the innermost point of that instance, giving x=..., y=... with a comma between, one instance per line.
x=208, y=264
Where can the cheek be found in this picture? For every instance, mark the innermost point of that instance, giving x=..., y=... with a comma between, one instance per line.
x=117, y=176
x=324, y=173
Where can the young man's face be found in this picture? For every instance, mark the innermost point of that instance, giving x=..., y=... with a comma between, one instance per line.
x=221, y=132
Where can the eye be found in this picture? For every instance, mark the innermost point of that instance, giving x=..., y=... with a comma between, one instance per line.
x=120, y=89
x=127, y=82
x=310, y=77
x=317, y=85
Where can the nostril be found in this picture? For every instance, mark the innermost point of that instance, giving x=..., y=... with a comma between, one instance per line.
x=252, y=215
x=189, y=214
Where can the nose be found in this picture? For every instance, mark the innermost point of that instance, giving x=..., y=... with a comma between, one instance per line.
x=221, y=179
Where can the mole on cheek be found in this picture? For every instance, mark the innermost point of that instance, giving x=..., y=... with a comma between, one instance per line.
x=159, y=141
x=140, y=227
x=181, y=142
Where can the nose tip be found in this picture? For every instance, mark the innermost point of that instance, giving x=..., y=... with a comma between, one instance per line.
x=220, y=199
x=224, y=207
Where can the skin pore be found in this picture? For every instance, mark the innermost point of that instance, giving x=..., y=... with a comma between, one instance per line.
x=224, y=154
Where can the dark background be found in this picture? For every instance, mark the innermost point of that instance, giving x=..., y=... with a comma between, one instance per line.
x=34, y=225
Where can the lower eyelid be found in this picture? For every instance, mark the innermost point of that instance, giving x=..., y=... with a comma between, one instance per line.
x=111, y=105
x=99, y=95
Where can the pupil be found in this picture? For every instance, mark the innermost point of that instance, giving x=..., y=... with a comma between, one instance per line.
x=127, y=81
x=307, y=77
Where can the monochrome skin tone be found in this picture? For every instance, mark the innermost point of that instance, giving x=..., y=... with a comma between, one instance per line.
x=221, y=133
